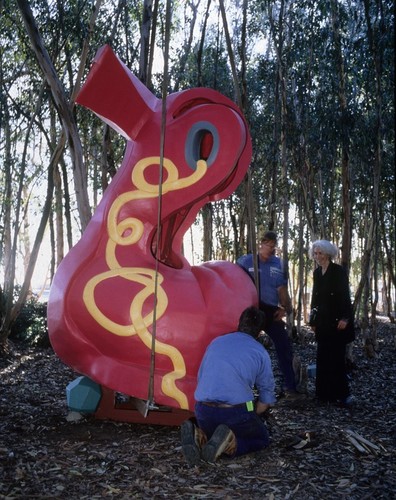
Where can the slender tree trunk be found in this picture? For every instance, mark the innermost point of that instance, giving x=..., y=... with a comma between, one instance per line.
x=364, y=288
x=107, y=165
x=24, y=233
x=145, y=40
x=201, y=45
x=236, y=229
x=36, y=247
x=58, y=207
x=237, y=91
x=188, y=45
x=301, y=311
x=52, y=266
x=207, y=222
x=284, y=170
x=152, y=45
x=345, y=140
x=12, y=244
x=58, y=216
x=66, y=197
x=7, y=254
x=375, y=34
x=242, y=55
x=388, y=271
x=278, y=39
x=64, y=111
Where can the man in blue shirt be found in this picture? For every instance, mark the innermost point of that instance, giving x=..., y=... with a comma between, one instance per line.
x=274, y=300
x=233, y=367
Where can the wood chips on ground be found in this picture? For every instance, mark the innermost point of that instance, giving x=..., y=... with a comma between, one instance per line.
x=43, y=455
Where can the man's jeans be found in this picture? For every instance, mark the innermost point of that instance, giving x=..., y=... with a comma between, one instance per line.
x=250, y=431
x=277, y=332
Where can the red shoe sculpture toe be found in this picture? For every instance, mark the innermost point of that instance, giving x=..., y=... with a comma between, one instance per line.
x=124, y=291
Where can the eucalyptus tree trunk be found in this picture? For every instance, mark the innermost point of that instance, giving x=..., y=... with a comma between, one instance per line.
x=8, y=257
x=35, y=249
x=222, y=231
x=45, y=214
x=144, y=72
x=301, y=306
x=242, y=54
x=389, y=276
x=345, y=140
x=66, y=197
x=374, y=33
x=278, y=35
x=207, y=224
x=201, y=45
x=237, y=91
x=187, y=47
x=249, y=197
x=284, y=170
x=206, y=211
x=63, y=107
x=58, y=216
x=12, y=239
x=374, y=37
x=152, y=44
x=12, y=309
x=59, y=246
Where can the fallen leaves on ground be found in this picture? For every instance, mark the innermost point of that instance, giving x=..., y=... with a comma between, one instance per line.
x=43, y=455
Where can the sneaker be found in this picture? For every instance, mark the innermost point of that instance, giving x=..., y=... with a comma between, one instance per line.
x=190, y=448
x=222, y=441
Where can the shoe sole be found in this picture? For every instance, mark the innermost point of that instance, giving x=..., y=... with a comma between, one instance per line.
x=216, y=444
x=189, y=447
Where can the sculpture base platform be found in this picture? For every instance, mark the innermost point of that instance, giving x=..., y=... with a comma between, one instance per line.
x=110, y=409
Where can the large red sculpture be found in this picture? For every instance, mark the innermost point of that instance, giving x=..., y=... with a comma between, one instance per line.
x=115, y=287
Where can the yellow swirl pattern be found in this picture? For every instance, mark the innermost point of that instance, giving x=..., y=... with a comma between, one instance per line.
x=128, y=232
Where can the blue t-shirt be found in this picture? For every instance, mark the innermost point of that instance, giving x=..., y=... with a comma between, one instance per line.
x=271, y=276
x=232, y=366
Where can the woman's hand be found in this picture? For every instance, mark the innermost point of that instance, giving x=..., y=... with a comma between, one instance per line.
x=279, y=314
x=342, y=324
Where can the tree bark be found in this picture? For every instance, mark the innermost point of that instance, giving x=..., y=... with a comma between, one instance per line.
x=64, y=111
x=145, y=41
x=188, y=45
x=345, y=140
x=201, y=45
x=207, y=222
x=278, y=40
x=6, y=296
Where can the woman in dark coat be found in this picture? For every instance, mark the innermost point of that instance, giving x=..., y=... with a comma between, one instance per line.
x=332, y=322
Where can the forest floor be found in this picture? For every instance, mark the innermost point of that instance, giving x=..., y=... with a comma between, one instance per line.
x=44, y=455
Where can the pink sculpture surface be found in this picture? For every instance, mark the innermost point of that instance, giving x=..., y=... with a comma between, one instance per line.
x=115, y=289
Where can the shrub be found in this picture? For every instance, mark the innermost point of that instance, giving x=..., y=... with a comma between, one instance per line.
x=30, y=326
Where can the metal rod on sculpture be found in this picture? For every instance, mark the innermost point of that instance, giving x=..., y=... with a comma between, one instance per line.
x=161, y=169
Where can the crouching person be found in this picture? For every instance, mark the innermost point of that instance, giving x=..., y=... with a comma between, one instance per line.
x=227, y=415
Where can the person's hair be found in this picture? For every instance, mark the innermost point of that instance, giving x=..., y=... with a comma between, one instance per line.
x=251, y=321
x=324, y=246
x=269, y=236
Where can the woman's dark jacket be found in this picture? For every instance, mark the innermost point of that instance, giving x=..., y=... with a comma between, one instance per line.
x=331, y=298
